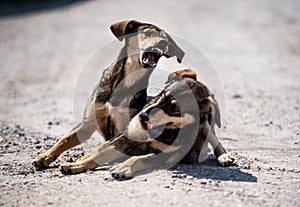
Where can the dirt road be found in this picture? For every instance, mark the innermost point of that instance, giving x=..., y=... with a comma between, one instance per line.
x=255, y=47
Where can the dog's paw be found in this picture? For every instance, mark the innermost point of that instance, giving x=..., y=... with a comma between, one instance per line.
x=122, y=171
x=65, y=169
x=41, y=162
x=72, y=168
x=226, y=160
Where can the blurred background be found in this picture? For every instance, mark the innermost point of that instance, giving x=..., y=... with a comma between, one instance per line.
x=254, y=46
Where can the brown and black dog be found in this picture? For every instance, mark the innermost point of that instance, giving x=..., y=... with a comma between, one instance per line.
x=176, y=125
x=122, y=90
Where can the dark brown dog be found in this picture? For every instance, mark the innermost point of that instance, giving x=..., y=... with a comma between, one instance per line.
x=174, y=126
x=121, y=92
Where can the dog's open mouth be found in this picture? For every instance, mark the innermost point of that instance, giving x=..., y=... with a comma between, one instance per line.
x=151, y=56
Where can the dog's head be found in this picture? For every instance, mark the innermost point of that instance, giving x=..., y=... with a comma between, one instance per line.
x=150, y=41
x=179, y=104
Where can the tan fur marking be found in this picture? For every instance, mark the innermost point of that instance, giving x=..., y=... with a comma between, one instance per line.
x=211, y=100
x=168, y=93
x=187, y=73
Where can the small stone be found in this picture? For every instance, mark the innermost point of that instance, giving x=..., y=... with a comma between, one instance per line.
x=21, y=134
x=189, y=177
x=282, y=169
x=237, y=96
x=36, y=142
x=183, y=176
x=174, y=176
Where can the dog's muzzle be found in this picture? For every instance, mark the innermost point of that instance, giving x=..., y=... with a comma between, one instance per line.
x=153, y=130
x=151, y=56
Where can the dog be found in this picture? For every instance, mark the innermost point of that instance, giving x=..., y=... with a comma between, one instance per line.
x=175, y=126
x=122, y=90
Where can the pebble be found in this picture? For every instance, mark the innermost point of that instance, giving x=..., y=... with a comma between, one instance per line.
x=36, y=142
x=189, y=177
x=178, y=176
x=236, y=96
x=278, y=177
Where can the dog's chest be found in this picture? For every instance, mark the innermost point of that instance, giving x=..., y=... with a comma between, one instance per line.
x=119, y=115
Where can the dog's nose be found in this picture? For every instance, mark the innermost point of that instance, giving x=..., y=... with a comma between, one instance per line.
x=162, y=44
x=144, y=117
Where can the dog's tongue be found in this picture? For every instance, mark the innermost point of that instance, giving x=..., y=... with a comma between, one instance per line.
x=150, y=60
x=150, y=126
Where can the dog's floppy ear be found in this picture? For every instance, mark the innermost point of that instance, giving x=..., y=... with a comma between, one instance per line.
x=186, y=73
x=174, y=50
x=120, y=29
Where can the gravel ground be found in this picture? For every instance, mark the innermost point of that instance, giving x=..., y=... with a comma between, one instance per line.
x=255, y=47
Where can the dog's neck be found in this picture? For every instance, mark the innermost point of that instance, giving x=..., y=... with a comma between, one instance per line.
x=125, y=78
x=130, y=73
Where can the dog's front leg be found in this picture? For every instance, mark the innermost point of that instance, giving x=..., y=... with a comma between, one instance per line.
x=135, y=164
x=102, y=154
x=76, y=136
x=224, y=158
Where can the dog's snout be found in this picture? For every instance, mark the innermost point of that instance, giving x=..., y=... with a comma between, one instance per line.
x=162, y=44
x=144, y=117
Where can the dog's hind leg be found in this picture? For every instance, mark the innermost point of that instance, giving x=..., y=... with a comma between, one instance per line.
x=224, y=158
x=75, y=137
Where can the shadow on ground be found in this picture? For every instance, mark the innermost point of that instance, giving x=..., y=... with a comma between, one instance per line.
x=210, y=170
